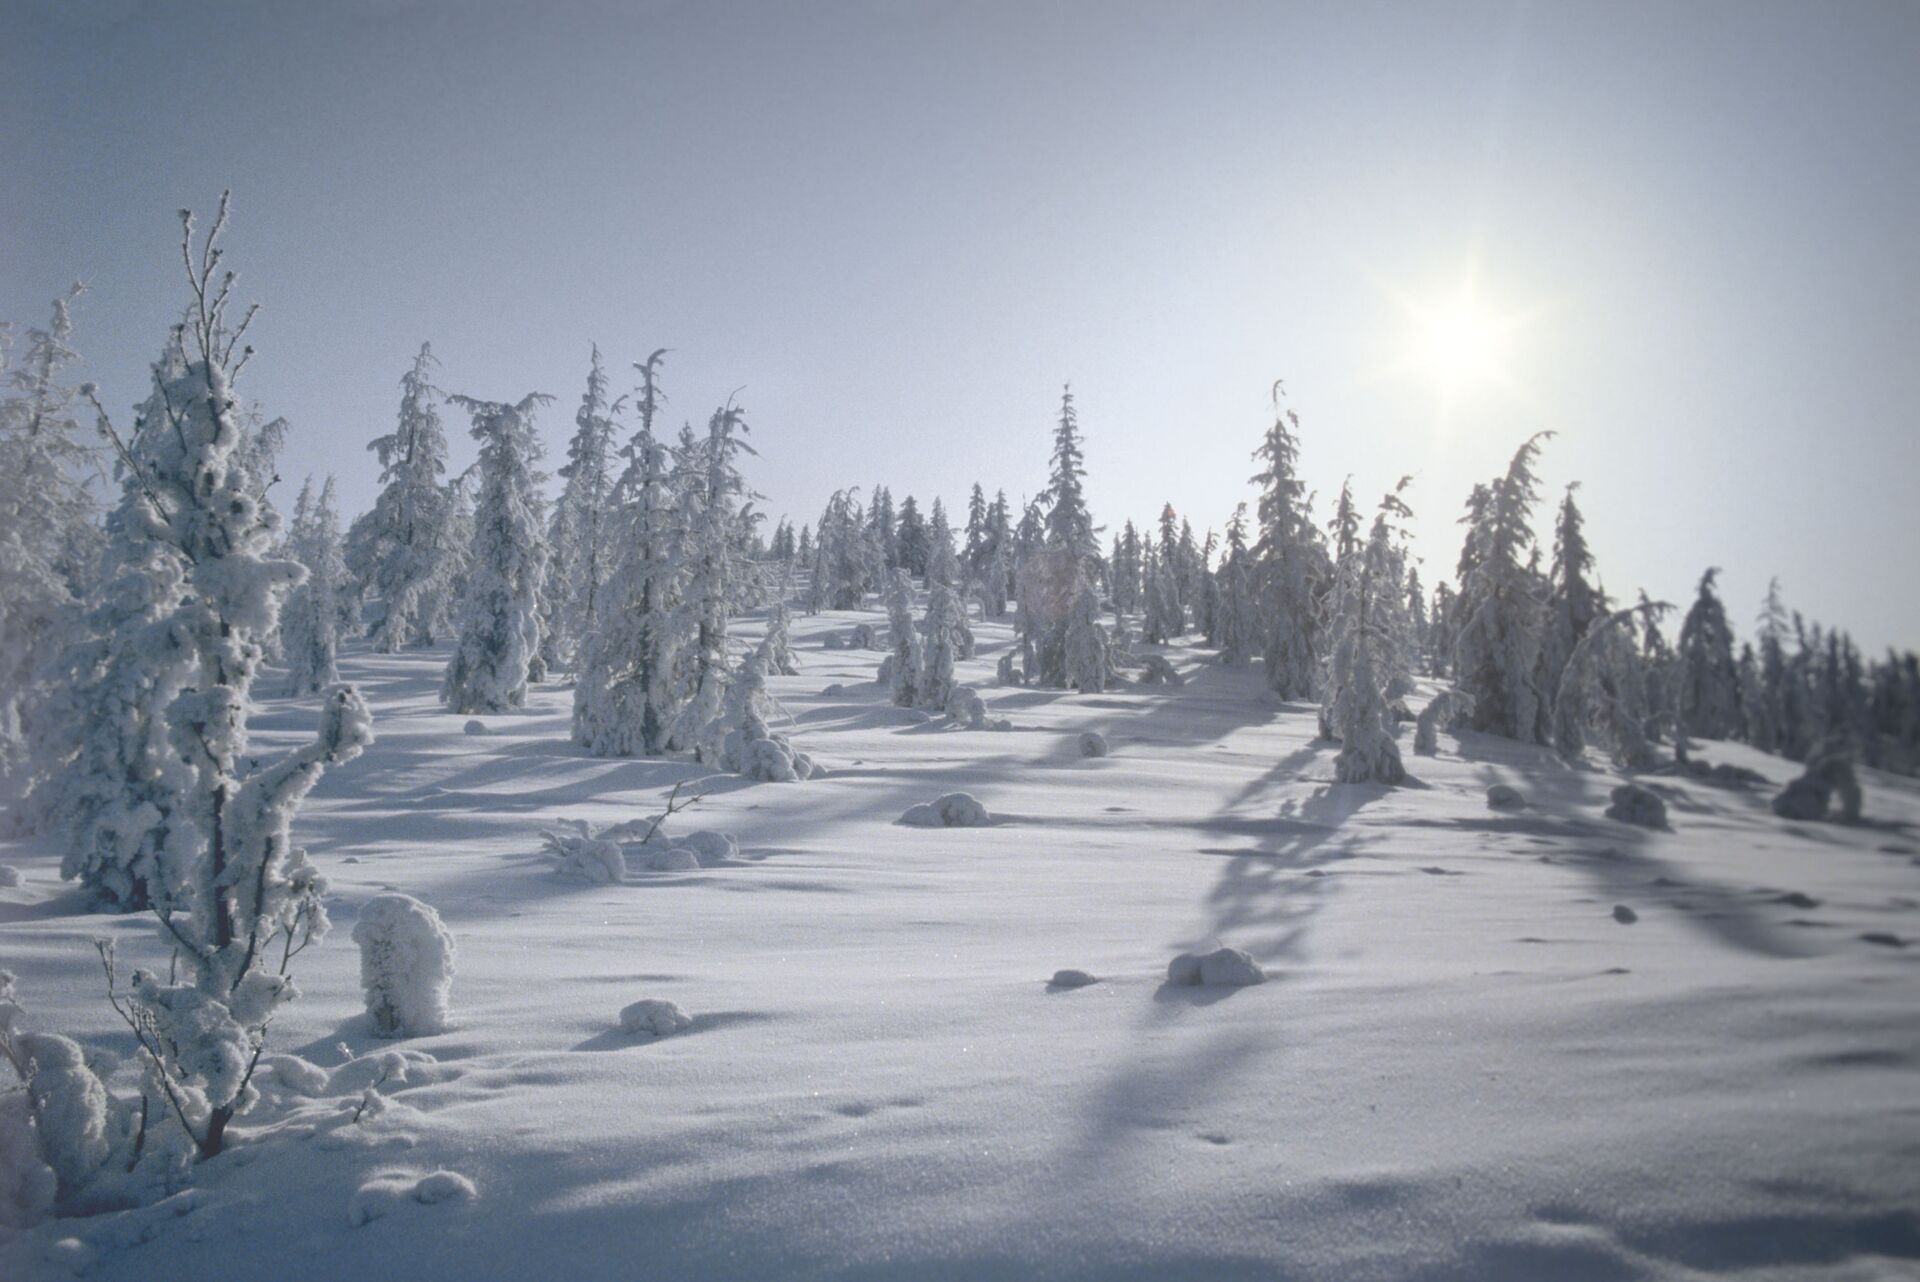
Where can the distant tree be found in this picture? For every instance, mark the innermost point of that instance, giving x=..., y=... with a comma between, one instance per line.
x=315, y=612
x=1710, y=681
x=411, y=554
x=1497, y=649
x=581, y=523
x=1288, y=563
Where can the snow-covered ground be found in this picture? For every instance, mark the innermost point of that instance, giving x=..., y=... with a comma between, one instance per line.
x=1467, y=1062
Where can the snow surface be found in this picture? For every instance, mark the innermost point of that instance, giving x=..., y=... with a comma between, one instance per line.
x=1461, y=1066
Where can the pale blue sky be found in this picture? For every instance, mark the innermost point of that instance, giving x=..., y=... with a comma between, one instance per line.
x=902, y=226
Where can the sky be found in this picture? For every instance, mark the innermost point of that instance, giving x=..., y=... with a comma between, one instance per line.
x=897, y=229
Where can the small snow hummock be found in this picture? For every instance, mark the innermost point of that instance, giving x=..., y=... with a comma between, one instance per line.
x=654, y=1016
x=1093, y=744
x=955, y=810
x=1625, y=915
x=476, y=726
x=1633, y=804
x=1071, y=978
x=9, y=876
x=406, y=965
x=390, y=1189
x=1223, y=967
x=1505, y=797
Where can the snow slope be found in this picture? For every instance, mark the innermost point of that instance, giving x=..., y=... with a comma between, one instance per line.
x=1463, y=1065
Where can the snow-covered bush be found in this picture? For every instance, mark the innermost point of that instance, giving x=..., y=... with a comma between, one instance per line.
x=903, y=673
x=1159, y=672
x=1447, y=709
x=1072, y=978
x=9, y=876
x=1505, y=797
x=749, y=747
x=1093, y=744
x=1223, y=967
x=1633, y=804
x=1810, y=795
x=954, y=810
x=476, y=728
x=406, y=965
x=863, y=637
x=500, y=627
x=653, y=1017
x=581, y=856
x=965, y=707
x=778, y=642
x=1088, y=662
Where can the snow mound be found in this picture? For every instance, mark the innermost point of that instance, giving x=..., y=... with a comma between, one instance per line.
x=1625, y=915
x=966, y=707
x=581, y=856
x=1159, y=672
x=9, y=876
x=1505, y=797
x=1072, y=979
x=391, y=1190
x=670, y=858
x=475, y=726
x=654, y=1016
x=955, y=810
x=1633, y=804
x=27, y=1183
x=1093, y=744
x=297, y=1076
x=1221, y=968
x=710, y=847
x=1000, y=724
x=406, y=965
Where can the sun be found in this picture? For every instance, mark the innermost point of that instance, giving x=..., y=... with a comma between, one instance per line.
x=1461, y=343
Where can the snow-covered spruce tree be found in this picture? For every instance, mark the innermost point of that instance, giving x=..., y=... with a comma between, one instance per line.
x=500, y=624
x=710, y=488
x=1288, y=561
x=942, y=564
x=627, y=695
x=1573, y=603
x=1089, y=658
x=973, y=551
x=999, y=573
x=1440, y=630
x=47, y=535
x=913, y=542
x=311, y=622
x=942, y=646
x=1356, y=711
x=1767, y=714
x=778, y=642
x=1416, y=609
x=581, y=521
x=237, y=900
x=1126, y=571
x=413, y=549
x=1239, y=634
x=1601, y=693
x=1164, y=620
x=883, y=529
x=1060, y=552
x=904, y=667
x=1710, y=681
x=1497, y=648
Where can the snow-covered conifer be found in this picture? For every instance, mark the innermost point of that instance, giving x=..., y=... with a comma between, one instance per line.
x=1288, y=561
x=414, y=549
x=1089, y=660
x=905, y=669
x=406, y=965
x=1709, y=682
x=581, y=522
x=500, y=626
x=1497, y=648
x=315, y=612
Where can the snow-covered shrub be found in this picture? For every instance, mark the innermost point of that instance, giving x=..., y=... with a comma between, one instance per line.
x=833, y=642
x=1071, y=978
x=1007, y=672
x=1447, y=709
x=1159, y=672
x=965, y=707
x=406, y=965
x=955, y=810
x=863, y=637
x=749, y=747
x=1088, y=662
x=1505, y=797
x=778, y=643
x=581, y=856
x=1223, y=967
x=475, y=727
x=1633, y=804
x=903, y=671
x=664, y=855
x=653, y=1017
x=1809, y=796
x=1093, y=744
x=9, y=876
x=27, y=1183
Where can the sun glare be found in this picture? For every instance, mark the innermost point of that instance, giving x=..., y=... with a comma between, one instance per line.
x=1461, y=343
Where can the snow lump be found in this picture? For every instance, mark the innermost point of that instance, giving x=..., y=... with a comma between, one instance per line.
x=406, y=965
x=653, y=1016
x=1221, y=968
x=955, y=810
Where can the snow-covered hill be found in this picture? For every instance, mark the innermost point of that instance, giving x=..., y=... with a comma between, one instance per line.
x=1527, y=1043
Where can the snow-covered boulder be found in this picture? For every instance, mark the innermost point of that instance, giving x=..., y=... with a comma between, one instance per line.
x=406, y=965
x=1071, y=978
x=1505, y=797
x=9, y=876
x=1633, y=804
x=475, y=727
x=654, y=1017
x=955, y=810
x=1093, y=744
x=581, y=856
x=1222, y=968
x=1809, y=796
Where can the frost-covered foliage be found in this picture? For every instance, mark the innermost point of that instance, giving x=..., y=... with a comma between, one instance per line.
x=1289, y=561
x=582, y=856
x=904, y=673
x=1709, y=680
x=1573, y=604
x=846, y=558
x=582, y=522
x=500, y=627
x=47, y=536
x=410, y=550
x=1497, y=648
x=750, y=747
x=710, y=489
x=406, y=965
x=317, y=610
x=627, y=693
x=1448, y=709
